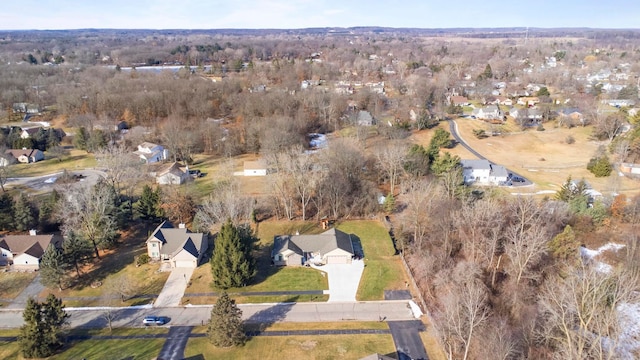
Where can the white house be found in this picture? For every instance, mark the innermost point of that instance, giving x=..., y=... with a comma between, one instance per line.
x=170, y=174
x=24, y=251
x=150, y=152
x=491, y=112
x=482, y=172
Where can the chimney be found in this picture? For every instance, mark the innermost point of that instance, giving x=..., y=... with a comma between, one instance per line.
x=182, y=226
x=32, y=232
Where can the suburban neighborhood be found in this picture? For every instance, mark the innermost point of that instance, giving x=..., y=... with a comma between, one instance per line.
x=320, y=193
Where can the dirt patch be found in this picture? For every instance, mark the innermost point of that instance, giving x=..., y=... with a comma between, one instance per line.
x=308, y=345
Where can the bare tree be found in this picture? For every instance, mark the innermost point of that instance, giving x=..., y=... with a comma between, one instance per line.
x=299, y=168
x=580, y=313
x=524, y=249
x=390, y=160
x=5, y=173
x=465, y=310
x=226, y=201
x=418, y=195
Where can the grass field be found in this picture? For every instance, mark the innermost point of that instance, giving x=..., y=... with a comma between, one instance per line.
x=12, y=283
x=383, y=270
x=296, y=347
x=77, y=159
x=116, y=265
x=544, y=157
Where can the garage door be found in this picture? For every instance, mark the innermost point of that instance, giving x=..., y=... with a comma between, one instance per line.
x=338, y=259
x=185, y=263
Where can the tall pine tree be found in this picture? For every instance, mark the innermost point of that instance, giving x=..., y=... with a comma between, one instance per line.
x=41, y=334
x=23, y=213
x=232, y=264
x=77, y=251
x=53, y=268
x=225, y=326
x=148, y=206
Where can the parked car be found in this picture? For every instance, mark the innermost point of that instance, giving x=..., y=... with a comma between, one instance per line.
x=154, y=320
x=517, y=179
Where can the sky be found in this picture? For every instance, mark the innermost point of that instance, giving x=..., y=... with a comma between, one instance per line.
x=294, y=14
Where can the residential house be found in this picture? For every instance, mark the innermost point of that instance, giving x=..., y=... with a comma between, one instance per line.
x=150, y=152
x=629, y=168
x=26, y=108
x=25, y=156
x=24, y=252
x=177, y=246
x=482, y=172
x=528, y=101
x=376, y=88
x=364, y=118
x=570, y=116
x=331, y=247
x=619, y=103
x=459, y=101
x=254, y=168
x=29, y=131
x=502, y=100
x=168, y=173
x=491, y=112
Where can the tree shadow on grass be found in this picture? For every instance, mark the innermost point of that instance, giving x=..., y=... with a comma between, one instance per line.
x=263, y=319
x=117, y=259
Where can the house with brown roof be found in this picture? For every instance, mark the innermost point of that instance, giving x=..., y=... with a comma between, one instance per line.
x=331, y=247
x=169, y=174
x=177, y=246
x=24, y=252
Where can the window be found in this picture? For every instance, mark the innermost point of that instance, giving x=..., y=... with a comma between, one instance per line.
x=154, y=245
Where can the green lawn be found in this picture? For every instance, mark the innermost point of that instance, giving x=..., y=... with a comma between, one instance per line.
x=143, y=349
x=117, y=264
x=296, y=347
x=383, y=270
x=268, y=278
x=76, y=160
x=12, y=283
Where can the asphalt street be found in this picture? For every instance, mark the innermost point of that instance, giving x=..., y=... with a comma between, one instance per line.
x=251, y=313
x=47, y=182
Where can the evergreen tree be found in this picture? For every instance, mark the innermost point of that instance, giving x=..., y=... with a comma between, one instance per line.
x=81, y=138
x=53, y=268
x=148, y=206
x=41, y=334
x=6, y=212
x=417, y=161
x=571, y=190
x=231, y=265
x=600, y=166
x=225, y=326
x=23, y=214
x=77, y=251
x=444, y=163
x=46, y=218
x=565, y=246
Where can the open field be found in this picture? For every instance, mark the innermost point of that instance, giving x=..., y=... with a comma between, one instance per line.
x=544, y=157
x=12, y=283
x=297, y=347
x=383, y=270
x=77, y=159
x=115, y=266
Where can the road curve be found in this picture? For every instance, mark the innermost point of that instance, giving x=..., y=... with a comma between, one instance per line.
x=453, y=127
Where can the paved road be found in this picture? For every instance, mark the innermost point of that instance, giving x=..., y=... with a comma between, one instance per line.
x=173, y=348
x=47, y=182
x=406, y=336
x=252, y=313
x=453, y=127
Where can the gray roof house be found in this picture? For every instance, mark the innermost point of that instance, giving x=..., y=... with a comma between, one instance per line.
x=331, y=247
x=177, y=246
x=482, y=172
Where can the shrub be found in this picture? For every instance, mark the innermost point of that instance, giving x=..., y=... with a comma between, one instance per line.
x=142, y=259
x=600, y=166
x=540, y=128
x=570, y=140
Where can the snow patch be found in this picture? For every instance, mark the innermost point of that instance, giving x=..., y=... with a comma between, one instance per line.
x=589, y=254
x=415, y=309
x=629, y=342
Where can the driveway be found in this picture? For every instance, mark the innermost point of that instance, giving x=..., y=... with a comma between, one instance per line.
x=174, y=288
x=31, y=291
x=173, y=348
x=343, y=280
x=406, y=336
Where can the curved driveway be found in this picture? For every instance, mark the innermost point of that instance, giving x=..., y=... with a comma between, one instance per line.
x=453, y=127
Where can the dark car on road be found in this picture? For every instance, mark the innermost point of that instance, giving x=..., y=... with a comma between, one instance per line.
x=154, y=320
